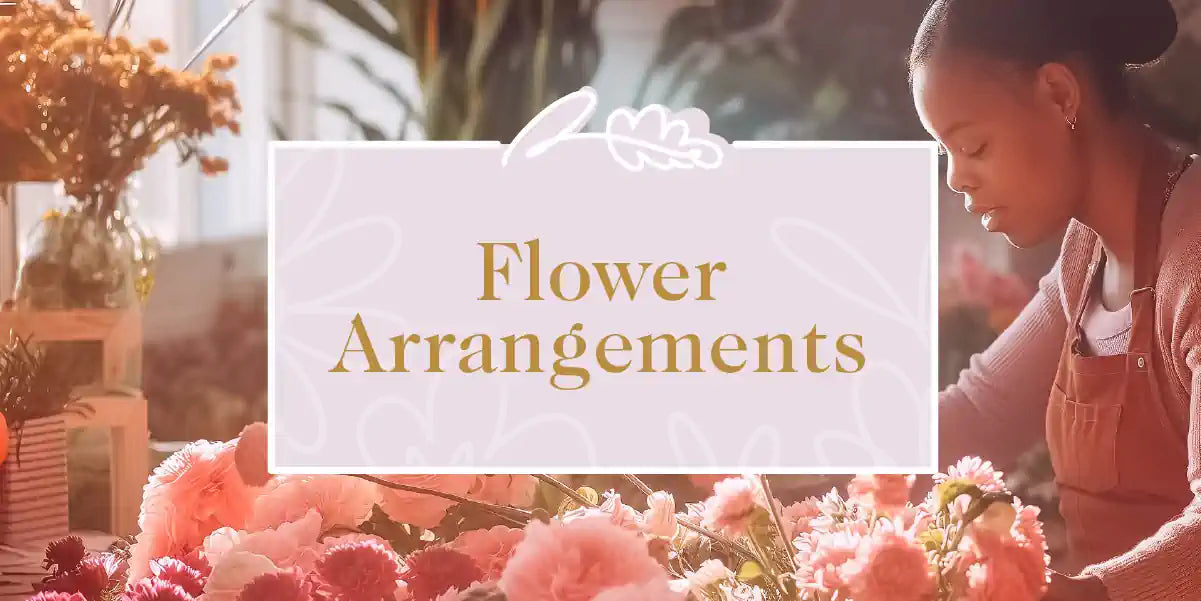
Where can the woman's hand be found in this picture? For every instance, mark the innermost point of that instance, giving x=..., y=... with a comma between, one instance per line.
x=1075, y=588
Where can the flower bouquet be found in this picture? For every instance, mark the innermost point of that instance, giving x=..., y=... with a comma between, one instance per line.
x=216, y=526
x=95, y=107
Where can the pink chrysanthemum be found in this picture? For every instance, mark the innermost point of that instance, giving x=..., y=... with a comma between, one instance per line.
x=433, y=571
x=365, y=570
x=830, y=559
x=797, y=517
x=153, y=589
x=64, y=554
x=177, y=572
x=576, y=561
x=890, y=566
x=732, y=507
x=288, y=585
x=490, y=549
x=974, y=470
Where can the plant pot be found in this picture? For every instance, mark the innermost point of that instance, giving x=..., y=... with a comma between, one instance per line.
x=33, y=484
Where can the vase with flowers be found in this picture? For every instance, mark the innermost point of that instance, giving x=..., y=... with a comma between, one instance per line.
x=96, y=106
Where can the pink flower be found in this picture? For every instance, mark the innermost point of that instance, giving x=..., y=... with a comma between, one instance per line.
x=250, y=454
x=732, y=507
x=233, y=572
x=517, y=491
x=436, y=570
x=366, y=570
x=153, y=589
x=330, y=542
x=611, y=509
x=830, y=559
x=91, y=578
x=292, y=544
x=576, y=561
x=194, y=492
x=1012, y=561
x=660, y=517
x=654, y=590
x=476, y=592
x=288, y=585
x=882, y=492
x=706, y=481
x=54, y=596
x=797, y=517
x=420, y=509
x=491, y=549
x=891, y=566
x=179, y=573
x=711, y=573
x=64, y=554
x=973, y=470
x=342, y=501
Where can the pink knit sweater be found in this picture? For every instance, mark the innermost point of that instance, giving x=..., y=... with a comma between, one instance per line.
x=997, y=408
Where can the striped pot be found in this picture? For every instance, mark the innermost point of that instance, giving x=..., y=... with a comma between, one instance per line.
x=33, y=489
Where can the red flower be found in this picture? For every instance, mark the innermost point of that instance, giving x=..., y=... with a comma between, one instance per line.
x=363, y=571
x=435, y=570
x=169, y=569
x=55, y=596
x=153, y=589
x=289, y=585
x=197, y=561
x=64, y=554
x=91, y=578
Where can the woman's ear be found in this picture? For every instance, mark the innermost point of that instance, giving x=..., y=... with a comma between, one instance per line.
x=1058, y=85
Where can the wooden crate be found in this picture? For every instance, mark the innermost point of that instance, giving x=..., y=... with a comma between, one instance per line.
x=33, y=484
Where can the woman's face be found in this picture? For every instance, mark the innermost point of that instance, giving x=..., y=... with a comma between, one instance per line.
x=1007, y=142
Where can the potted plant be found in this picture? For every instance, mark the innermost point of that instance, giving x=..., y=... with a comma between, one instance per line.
x=34, y=402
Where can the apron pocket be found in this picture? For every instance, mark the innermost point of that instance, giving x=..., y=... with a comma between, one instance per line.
x=1083, y=442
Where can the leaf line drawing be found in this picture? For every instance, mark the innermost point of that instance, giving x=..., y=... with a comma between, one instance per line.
x=654, y=136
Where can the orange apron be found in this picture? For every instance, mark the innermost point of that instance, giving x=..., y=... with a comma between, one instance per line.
x=1119, y=462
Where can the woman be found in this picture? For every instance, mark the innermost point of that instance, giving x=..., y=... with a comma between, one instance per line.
x=1029, y=100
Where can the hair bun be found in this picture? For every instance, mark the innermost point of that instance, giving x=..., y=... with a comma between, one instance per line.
x=1131, y=32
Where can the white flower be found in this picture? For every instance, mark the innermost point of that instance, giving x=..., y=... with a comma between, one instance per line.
x=660, y=516
x=233, y=573
x=711, y=572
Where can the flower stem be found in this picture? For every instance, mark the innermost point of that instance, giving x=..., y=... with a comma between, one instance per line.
x=517, y=516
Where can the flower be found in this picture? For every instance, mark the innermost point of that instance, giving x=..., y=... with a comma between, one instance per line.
x=517, y=491
x=576, y=561
x=291, y=544
x=92, y=577
x=436, y=570
x=250, y=454
x=732, y=507
x=883, y=492
x=342, y=501
x=233, y=572
x=64, y=554
x=706, y=481
x=611, y=509
x=153, y=589
x=654, y=590
x=710, y=573
x=365, y=570
x=491, y=549
x=660, y=516
x=177, y=572
x=420, y=509
x=796, y=517
x=1005, y=564
x=56, y=596
x=830, y=562
x=194, y=492
x=973, y=470
x=890, y=566
x=288, y=585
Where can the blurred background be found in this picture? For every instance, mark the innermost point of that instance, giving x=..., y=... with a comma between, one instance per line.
x=478, y=69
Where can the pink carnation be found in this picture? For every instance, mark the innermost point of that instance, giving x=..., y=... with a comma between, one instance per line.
x=289, y=585
x=291, y=544
x=194, y=492
x=436, y=570
x=420, y=509
x=732, y=507
x=54, y=596
x=890, y=566
x=576, y=561
x=517, y=491
x=882, y=492
x=153, y=589
x=342, y=501
x=179, y=573
x=654, y=590
x=250, y=454
x=366, y=570
x=491, y=549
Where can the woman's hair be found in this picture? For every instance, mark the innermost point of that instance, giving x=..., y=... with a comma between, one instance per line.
x=1110, y=35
